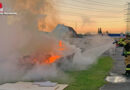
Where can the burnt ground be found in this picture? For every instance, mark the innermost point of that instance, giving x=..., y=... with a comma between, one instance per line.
x=118, y=70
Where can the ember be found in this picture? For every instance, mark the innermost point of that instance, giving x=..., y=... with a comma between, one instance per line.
x=61, y=46
x=50, y=58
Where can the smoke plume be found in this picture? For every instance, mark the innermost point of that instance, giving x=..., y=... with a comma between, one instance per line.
x=19, y=37
x=41, y=11
x=20, y=41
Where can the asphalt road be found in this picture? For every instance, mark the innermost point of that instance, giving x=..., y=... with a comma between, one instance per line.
x=117, y=71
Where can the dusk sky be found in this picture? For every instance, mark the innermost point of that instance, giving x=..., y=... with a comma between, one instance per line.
x=89, y=15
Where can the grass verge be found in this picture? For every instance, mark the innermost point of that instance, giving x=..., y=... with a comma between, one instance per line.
x=93, y=78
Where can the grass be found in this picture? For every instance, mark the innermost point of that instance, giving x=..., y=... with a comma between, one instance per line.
x=93, y=78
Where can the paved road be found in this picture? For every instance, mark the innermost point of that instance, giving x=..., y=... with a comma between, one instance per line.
x=118, y=70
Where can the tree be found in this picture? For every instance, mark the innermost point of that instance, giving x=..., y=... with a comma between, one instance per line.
x=99, y=30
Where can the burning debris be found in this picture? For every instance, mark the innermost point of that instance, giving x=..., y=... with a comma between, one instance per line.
x=27, y=54
x=40, y=56
x=44, y=58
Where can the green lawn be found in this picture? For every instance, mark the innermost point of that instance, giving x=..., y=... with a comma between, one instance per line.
x=93, y=78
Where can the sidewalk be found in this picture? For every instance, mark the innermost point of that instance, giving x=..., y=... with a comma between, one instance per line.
x=117, y=72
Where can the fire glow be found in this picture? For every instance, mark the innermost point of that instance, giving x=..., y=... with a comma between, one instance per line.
x=52, y=58
x=49, y=60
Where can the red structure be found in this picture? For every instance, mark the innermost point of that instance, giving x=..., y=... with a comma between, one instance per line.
x=1, y=6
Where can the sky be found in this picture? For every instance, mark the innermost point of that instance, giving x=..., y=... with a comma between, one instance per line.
x=88, y=15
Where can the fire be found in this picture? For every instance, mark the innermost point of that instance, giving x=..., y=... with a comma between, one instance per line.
x=50, y=58
x=61, y=46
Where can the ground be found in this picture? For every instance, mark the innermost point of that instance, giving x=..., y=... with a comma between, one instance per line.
x=93, y=78
x=118, y=70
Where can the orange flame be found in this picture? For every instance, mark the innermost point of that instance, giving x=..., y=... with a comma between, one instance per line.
x=50, y=58
x=61, y=46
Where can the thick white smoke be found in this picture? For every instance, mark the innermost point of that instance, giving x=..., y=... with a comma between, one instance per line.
x=90, y=49
x=86, y=51
x=20, y=38
x=17, y=43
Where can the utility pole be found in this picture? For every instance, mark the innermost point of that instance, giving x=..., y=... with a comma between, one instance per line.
x=128, y=18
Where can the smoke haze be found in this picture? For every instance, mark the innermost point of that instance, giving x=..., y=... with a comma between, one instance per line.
x=19, y=37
